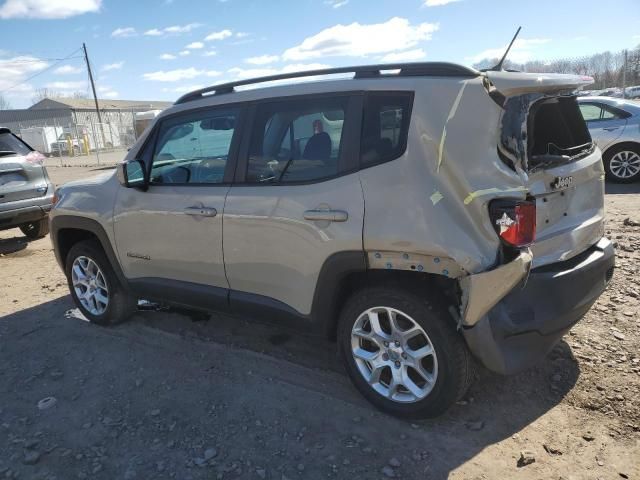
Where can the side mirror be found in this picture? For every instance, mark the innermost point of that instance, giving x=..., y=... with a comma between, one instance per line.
x=131, y=174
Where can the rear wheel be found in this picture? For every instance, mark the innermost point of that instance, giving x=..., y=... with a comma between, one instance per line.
x=402, y=352
x=35, y=230
x=95, y=287
x=622, y=163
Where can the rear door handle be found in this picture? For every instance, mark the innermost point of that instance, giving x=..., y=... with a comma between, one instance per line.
x=326, y=215
x=610, y=129
x=201, y=211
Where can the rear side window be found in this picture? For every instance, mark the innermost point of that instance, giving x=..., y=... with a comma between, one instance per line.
x=296, y=140
x=11, y=145
x=385, y=125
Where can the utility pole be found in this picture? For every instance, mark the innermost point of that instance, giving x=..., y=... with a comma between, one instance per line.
x=624, y=76
x=95, y=97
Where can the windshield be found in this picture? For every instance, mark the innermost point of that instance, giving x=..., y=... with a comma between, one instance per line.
x=12, y=145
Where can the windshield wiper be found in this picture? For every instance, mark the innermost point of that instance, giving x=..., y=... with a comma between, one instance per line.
x=8, y=152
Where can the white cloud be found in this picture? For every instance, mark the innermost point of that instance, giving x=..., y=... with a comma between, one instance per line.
x=221, y=35
x=112, y=66
x=167, y=56
x=172, y=30
x=68, y=70
x=195, y=45
x=210, y=53
x=181, y=28
x=438, y=3
x=105, y=91
x=183, y=88
x=242, y=34
x=523, y=50
x=66, y=85
x=336, y=3
x=356, y=40
x=124, y=32
x=14, y=73
x=47, y=8
x=184, y=53
x=179, y=74
x=406, y=56
x=241, y=73
x=262, y=59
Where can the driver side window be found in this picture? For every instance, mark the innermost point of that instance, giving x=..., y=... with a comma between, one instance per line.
x=193, y=148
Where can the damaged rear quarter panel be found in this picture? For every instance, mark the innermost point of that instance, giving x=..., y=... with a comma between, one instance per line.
x=432, y=200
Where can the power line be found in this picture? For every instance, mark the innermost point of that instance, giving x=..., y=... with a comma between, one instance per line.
x=42, y=71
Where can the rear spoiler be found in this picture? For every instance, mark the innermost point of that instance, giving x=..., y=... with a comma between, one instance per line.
x=518, y=83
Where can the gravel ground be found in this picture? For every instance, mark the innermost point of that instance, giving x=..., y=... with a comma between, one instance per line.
x=171, y=395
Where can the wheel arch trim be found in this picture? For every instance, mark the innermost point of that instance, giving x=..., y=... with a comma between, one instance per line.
x=88, y=225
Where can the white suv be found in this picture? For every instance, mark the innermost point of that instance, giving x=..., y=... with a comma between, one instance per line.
x=419, y=213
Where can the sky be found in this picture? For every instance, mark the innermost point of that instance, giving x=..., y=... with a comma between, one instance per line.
x=160, y=49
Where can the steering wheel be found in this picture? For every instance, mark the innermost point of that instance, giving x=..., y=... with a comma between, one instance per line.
x=171, y=179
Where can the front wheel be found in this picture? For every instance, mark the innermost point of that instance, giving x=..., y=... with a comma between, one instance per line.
x=402, y=352
x=95, y=287
x=622, y=164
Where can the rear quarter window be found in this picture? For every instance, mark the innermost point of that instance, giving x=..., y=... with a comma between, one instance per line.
x=385, y=126
x=12, y=145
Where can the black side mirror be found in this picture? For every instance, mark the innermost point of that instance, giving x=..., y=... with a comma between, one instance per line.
x=131, y=174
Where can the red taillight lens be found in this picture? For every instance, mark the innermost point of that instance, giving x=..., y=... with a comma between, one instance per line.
x=514, y=221
x=34, y=157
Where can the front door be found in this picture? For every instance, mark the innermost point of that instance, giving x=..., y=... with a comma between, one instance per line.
x=169, y=238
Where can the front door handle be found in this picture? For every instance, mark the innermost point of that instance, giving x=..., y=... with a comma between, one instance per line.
x=201, y=211
x=610, y=129
x=326, y=215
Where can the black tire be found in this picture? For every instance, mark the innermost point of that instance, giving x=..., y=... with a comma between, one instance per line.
x=455, y=368
x=121, y=304
x=35, y=230
x=612, y=152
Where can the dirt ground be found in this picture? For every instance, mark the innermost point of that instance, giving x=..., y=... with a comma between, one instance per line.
x=169, y=395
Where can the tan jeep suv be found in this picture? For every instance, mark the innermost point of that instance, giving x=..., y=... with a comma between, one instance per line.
x=421, y=214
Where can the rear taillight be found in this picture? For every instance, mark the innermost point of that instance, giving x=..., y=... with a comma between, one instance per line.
x=34, y=157
x=514, y=221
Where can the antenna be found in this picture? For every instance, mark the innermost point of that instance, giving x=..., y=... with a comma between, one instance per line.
x=498, y=66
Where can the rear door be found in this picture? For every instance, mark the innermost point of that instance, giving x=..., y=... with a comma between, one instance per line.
x=296, y=201
x=605, y=124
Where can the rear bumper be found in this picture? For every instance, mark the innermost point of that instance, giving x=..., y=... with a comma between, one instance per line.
x=525, y=325
x=24, y=211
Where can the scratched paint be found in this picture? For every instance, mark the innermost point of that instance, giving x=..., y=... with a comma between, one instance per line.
x=452, y=113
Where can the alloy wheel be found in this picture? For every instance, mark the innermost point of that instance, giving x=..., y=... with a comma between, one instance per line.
x=90, y=285
x=394, y=355
x=625, y=164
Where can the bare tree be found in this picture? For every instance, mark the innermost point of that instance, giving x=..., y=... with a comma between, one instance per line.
x=4, y=103
x=606, y=68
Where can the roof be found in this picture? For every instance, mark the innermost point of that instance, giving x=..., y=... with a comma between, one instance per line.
x=435, y=69
x=105, y=104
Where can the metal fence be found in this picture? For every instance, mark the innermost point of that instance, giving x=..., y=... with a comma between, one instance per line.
x=73, y=133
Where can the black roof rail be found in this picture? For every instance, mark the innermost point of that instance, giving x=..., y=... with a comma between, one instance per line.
x=426, y=69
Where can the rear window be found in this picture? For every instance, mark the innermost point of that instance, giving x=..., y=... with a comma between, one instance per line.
x=12, y=145
x=557, y=132
x=385, y=125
